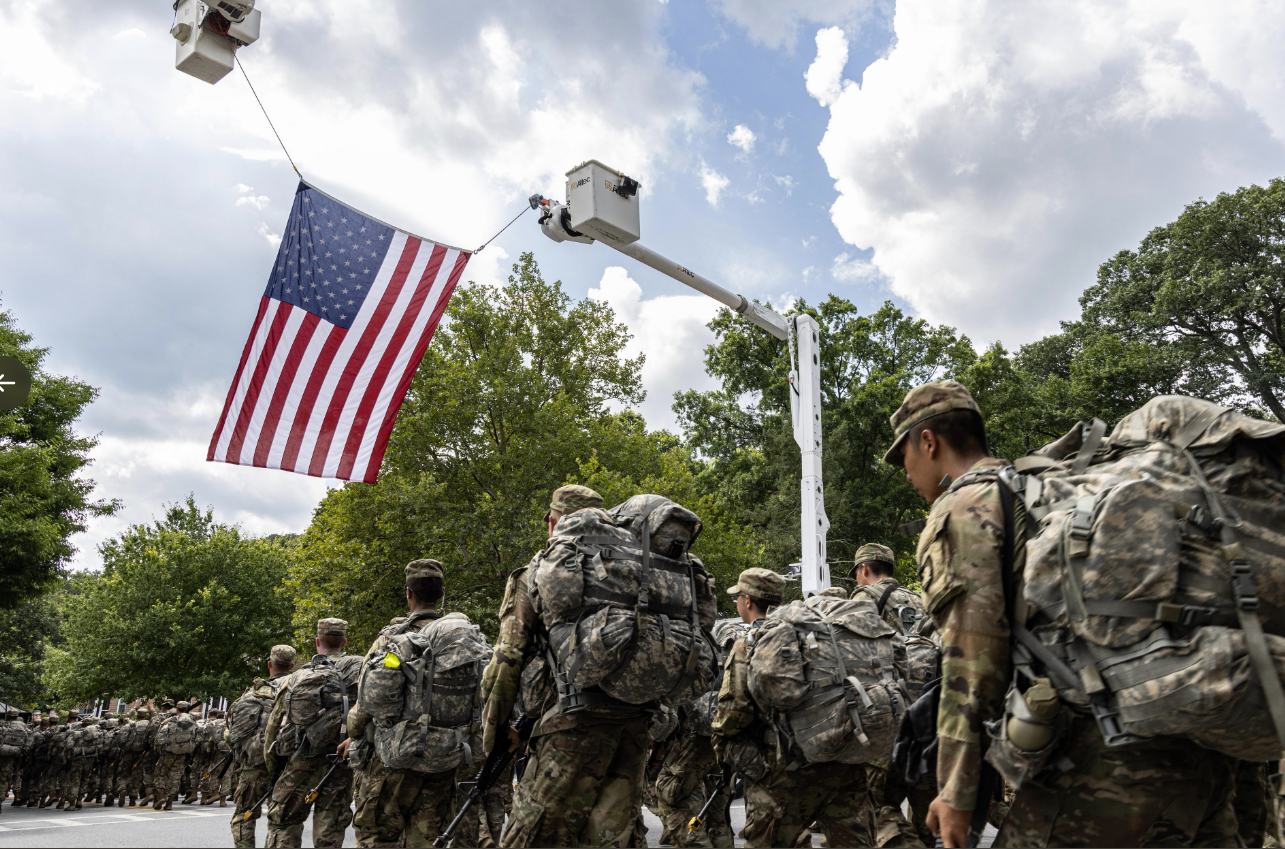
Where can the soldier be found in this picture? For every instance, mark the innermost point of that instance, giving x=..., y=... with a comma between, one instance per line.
x=582, y=785
x=248, y=720
x=780, y=802
x=109, y=760
x=1161, y=790
x=403, y=807
x=174, y=741
x=306, y=762
x=60, y=758
x=38, y=767
x=82, y=750
x=14, y=738
x=681, y=782
x=215, y=777
x=126, y=760
x=140, y=775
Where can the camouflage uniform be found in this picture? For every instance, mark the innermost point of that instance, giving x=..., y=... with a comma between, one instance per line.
x=886, y=790
x=170, y=766
x=288, y=807
x=38, y=766
x=254, y=780
x=80, y=769
x=15, y=733
x=51, y=779
x=218, y=783
x=583, y=782
x=1164, y=791
x=400, y=807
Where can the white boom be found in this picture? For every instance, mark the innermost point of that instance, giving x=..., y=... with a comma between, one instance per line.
x=605, y=208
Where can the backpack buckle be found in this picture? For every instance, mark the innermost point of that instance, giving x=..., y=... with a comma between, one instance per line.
x=1191, y=615
x=1242, y=585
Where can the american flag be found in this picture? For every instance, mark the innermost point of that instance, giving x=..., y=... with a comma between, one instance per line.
x=350, y=307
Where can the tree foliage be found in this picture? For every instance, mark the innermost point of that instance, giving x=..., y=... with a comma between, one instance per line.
x=26, y=632
x=183, y=606
x=44, y=497
x=512, y=397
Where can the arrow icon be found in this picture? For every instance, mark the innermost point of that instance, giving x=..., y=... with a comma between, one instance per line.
x=4, y=383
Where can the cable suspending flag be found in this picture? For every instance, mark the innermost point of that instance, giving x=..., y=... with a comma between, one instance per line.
x=349, y=310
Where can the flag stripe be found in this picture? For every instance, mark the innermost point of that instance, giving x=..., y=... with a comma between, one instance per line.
x=350, y=308
x=275, y=331
x=285, y=381
x=395, y=404
x=260, y=338
x=245, y=355
x=353, y=362
x=393, y=347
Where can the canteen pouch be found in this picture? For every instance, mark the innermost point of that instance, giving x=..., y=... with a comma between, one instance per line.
x=1016, y=765
x=415, y=745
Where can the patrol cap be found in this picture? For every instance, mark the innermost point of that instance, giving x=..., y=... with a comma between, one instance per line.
x=73, y=714
x=922, y=403
x=425, y=568
x=759, y=583
x=13, y=713
x=873, y=552
x=833, y=592
x=283, y=655
x=332, y=627
x=143, y=713
x=167, y=703
x=572, y=497
x=182, y=706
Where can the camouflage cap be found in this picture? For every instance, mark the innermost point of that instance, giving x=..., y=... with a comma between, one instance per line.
x=425, y=568
x=873, y=552
x=833, y=592
x=763, y=584
x=924, y=402
x=73, y=714
x=143, y=713
x=167, y=703
x=182, y=706
x=332, y=627
x=572, y=497
x=283, y=655
x=13, y=713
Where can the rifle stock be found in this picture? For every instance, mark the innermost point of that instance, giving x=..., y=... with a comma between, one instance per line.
x=697, y=822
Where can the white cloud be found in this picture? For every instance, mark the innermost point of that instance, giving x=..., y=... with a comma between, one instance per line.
x=274, y=239
x=242, y=189
x=670, y=330
x=742, y=137
x=713, y=183
x=253, y=202
x=848, y=269
x=824, y=77
x=1000, y=152
x=786, y=182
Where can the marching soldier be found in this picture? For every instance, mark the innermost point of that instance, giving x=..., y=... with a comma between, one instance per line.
x=244, y=732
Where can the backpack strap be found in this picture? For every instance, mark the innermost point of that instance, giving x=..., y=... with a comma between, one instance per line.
x=1093, y=433
x=883, y=599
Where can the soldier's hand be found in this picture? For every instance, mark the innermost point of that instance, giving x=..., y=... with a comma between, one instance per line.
x=342, y=748
x=951, y=823
x=515, y=739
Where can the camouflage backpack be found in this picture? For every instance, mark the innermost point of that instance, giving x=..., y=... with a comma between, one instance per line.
x=86, y=742
x=422, y=691
x=830, y=671
x=316, y=714
x=176, y=735
x=13, y=739
x=1154, y=577
x=248, y=720
x=136, y=737
x=626, y=608
x=923, y=664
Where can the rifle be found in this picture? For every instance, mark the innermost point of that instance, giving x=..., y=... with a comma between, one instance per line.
x=697, y=822
x=336, y=761
x=272, y=785
x=492, y=768
x=211, y=770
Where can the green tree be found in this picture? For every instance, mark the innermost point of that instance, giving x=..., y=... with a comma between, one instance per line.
x=44, y=496
x=1201, y=302
x=743, y=429
x=514, y=394
x=26, y=632
x=183, y=606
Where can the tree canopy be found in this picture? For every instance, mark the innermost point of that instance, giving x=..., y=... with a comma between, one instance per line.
x=183, y=606
x=44, y=496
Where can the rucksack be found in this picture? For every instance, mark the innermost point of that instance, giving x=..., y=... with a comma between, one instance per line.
x=177, y=735
x=248, y=720
x=316, y=711
x=422, y=692
x=625, y=607
x=1154, y=563
x=923, y=656
x=86, y=741
x=137, y=737
x=830, y=669
x=13, y=739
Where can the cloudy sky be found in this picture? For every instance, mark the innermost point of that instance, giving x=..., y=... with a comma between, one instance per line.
x=973, y=161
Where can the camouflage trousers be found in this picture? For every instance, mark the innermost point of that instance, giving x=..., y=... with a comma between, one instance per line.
x=79, y=780
x=582, y=787
x=497, y=804
x=882, y=808
x=1163, y=792
x=288, y=808
x=681, y=790
x=169, y=776
x=782, y=804
x=219, y=782
x=31, y=780
x=251, y=786
x=51, y=781
x=144, y=777
x=9, y=774
x=128, y=778
x=403, y=808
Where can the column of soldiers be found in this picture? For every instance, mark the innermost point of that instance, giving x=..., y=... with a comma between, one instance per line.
x=388, y=742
